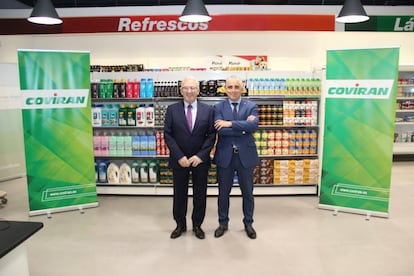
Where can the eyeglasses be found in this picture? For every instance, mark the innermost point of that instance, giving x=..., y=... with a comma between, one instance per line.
x=233, y=87
x=189, y=88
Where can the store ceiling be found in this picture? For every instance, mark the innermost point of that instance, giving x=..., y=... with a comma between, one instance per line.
x=114, y=3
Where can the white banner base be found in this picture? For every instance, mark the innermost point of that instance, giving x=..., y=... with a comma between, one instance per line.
x=367, y=213
x=49, y=212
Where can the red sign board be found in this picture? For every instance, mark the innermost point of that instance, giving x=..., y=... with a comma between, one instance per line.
x=170, y=23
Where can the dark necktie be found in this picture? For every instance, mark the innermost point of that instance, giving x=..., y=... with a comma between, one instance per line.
x=235, y=110
x=189, y=118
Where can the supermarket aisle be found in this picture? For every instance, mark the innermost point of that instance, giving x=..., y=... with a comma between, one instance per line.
x=130, y=236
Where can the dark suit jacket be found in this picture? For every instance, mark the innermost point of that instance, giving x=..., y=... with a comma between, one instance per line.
x=240, y=134
x=180, y=141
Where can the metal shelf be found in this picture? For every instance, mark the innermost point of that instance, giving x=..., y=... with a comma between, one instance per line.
x=405, y=98
x=404, y=110
x=286, y=126
x=212, y=189
x=404, y=123
x=403, y=148
x=130, y=156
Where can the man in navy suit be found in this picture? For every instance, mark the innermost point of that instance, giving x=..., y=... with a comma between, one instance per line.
x=236, y=120
x=189, y=134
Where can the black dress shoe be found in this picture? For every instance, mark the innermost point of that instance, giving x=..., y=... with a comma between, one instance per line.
x=178, y=231
x=250, y=232
x=199, y=233
x=220, y=231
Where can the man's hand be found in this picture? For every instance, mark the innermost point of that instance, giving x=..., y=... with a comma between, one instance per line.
x=184, y=162
x=251, y=118
x=195, y=160
x=219, y=124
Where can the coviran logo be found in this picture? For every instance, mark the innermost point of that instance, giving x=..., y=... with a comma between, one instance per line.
x=58, y=98
x=368, y=89
x=147, y=25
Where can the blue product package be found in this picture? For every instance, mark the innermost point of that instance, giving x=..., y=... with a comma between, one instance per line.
x=152, y=145
x=142, y=88
x=106, y=115
x=143, y=145
x=102, y=167
x=149, y=88
x=113, y=115
x=135, y=145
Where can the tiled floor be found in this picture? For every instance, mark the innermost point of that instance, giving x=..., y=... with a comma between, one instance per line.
x=130, y=236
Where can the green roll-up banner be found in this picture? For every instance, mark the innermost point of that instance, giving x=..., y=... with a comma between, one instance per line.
x=57, y=130
x=360, y=93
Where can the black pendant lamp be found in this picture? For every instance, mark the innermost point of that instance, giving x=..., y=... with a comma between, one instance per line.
x=195, y=11
x=352, y=12
x=44, y=13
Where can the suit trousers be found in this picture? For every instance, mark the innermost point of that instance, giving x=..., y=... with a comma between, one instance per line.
x=180, y=199
x=245, y=179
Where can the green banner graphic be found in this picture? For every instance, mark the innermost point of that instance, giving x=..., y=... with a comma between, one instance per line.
x=360, y=94
x=57, y=128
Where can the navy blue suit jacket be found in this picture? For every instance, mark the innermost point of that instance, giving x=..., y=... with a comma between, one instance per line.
x=239, y=135
x=180, y=141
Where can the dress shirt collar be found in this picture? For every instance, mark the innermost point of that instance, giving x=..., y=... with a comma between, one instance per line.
x=238, y=102
x=193, y=105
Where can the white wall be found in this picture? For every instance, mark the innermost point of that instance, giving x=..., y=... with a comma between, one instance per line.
x=12, y=163
x=286, y=50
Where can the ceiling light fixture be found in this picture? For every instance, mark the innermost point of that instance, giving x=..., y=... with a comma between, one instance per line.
x=44, y=13
x=195, y=11
x=352, y=12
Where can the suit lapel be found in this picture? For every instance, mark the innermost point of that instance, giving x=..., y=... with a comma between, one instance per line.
x=182, y=116
x=242, y=110
x=228, y=111
x=199, y=112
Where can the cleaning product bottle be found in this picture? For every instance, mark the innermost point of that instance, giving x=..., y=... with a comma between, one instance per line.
x=153, y=171
x=150, y=116
x=140, y=116
x=143, y=171
x=135, y=172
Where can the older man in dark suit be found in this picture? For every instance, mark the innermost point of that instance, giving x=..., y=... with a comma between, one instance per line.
x=189, y=133
x=236, y=120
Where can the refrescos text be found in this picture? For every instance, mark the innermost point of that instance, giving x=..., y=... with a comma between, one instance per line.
x=126, y=24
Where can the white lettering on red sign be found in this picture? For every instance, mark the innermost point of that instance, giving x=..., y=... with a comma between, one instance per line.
x=148, y=25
